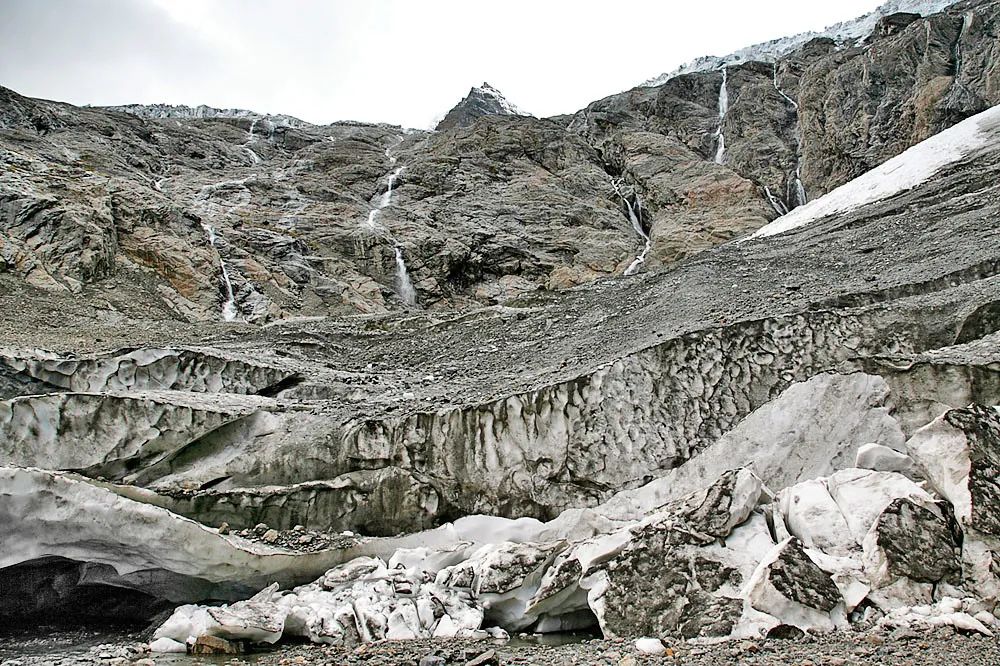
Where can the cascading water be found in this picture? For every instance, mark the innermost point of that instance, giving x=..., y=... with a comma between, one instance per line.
x=798, y=190
x=776, y=203
x=966, y=22
x=387, y=195
x=229, y=310
x=404, y=286
x=720, y=137
x=782, y=92
x=253, y=155
x=634, y=216
x=384, y=199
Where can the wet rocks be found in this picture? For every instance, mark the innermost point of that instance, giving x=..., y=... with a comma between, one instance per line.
x=216, y=645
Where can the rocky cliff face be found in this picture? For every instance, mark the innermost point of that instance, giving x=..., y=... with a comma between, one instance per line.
x=491, y=207
x=801, y=422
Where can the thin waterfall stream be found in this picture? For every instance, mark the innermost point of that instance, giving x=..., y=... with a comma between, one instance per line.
x=403, y=284
x=798, y=189
x=634, y=210
x=229, y=309
x=720, y=137
x=246, y=146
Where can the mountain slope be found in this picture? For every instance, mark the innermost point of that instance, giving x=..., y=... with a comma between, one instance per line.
x=204, y=211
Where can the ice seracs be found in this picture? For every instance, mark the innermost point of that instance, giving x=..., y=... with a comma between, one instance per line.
x=180, y=111
x=845, y=31
x=732, y=559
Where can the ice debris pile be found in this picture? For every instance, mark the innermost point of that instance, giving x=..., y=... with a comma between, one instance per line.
x=910, y=540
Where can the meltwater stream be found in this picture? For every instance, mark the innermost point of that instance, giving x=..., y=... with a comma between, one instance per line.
x=779, y=207
x=250, y=139
x=798, y=189
x=720, y=137
x=229, y=311
x=634, y=212
x=403, y=283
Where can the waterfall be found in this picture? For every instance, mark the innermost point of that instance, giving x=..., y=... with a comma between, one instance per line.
x=782, y=92
x=800, y=190
x=387, y=195
x=797, y=188
x=229, y=310
x=384, y=199
x=966, y=21
x=776, y=204
x=720, y=137
x=634, y=216
x=254, y=157
x=404, y=287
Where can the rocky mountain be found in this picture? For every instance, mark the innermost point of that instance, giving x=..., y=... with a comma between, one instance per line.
x=715, y=359
x=483, y=101
x=845, y=33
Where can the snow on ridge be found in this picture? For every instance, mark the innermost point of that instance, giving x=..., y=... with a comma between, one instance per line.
x=899, y=174
x=776, y=48
x=489, y=91
x=184, y=112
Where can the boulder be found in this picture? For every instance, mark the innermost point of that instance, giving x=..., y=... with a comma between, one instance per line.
x=909, y=551
x=791, y=588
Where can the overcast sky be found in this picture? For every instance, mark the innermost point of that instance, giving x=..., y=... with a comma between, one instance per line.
x=399, y=61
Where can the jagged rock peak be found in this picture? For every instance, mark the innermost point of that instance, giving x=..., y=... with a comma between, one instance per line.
x=481, y=101
x=845, y=31
x=184, y=112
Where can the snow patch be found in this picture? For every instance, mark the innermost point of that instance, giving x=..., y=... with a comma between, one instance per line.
x=899, y=174
x=506, y=105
